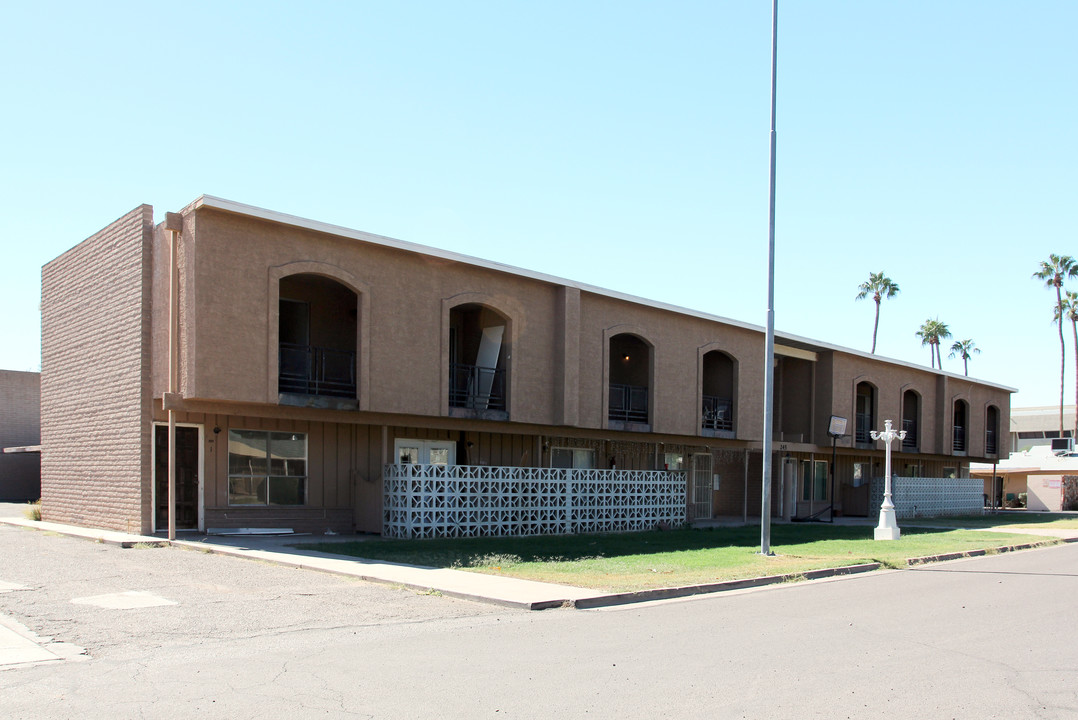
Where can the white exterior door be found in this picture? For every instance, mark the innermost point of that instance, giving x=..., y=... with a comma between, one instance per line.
x=425, y=452
x=701, y=486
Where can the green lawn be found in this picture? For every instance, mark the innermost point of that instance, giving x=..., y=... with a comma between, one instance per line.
x=635, y=561
x=1013, y=519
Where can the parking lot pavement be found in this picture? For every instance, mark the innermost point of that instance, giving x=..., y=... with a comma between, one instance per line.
x=115, y=601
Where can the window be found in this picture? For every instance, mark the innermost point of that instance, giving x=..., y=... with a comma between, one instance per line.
x=950, y=472
x=673, y=461
x=572, y=458
x=814, y=480
x=866, y=413
x=478, y=355
x=860, y=474
x=425, y=452
x=267, y=468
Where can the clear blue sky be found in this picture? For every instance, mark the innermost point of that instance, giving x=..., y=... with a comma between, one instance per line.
x=623, y=144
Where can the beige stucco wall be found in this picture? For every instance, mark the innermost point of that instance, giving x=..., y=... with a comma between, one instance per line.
x=557, y=341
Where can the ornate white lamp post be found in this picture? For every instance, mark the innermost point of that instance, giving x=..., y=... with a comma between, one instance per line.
x=888, y=527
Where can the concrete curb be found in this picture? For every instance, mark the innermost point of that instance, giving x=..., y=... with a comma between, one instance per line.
x=108, y=537
x=913, y=562
x=689, y=590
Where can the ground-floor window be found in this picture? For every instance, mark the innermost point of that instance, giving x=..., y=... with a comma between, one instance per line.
x=425, y=452
x=860, y=474
x=814, y=480
x=572, y=458
x=267, y=468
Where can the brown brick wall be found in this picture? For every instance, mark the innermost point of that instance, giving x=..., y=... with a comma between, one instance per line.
x=20, y=425
x=95, y=408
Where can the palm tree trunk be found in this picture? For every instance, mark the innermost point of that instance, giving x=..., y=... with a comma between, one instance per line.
x=876, y=325
x=1074, y=327
x=965, y=364
x=1062, y=355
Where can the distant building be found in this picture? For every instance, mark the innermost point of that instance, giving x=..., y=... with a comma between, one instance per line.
x=1032, y=426
x=20, y=434
x=1038, y=473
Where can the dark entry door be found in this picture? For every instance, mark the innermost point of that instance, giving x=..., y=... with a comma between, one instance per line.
x=186, y=477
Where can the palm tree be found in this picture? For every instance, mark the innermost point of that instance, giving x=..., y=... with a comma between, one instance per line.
x=931, y=333
x=1053, y=272
x=879, y=286
x=963, y=349
x=1070, y=312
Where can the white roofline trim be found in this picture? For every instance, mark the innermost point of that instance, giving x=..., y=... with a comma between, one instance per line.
x=216, y=203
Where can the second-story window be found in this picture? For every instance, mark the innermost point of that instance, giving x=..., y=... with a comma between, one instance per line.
x=316, y=337
x=866, y=413
x=630, y=380
x=911, y=416
x=991, y=431
x=958, y=433
x=717, y=393
x=477, y=359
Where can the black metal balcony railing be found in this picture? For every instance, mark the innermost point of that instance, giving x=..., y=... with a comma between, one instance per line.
x=476, y=387
x=718, y=413
x=309, y=370
x=864, y=429
x=910, y=441
x=628, y=403
x=991, y=445
x=959, y=439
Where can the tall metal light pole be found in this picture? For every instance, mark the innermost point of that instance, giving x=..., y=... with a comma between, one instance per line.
x=769, y=351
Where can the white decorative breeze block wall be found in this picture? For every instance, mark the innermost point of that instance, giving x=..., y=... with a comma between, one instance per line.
x=930, y=497
x=427, y=501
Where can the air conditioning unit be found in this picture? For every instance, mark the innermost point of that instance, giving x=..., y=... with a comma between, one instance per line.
x=1063, y=444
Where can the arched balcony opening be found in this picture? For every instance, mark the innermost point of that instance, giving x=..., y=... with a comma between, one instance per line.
x=718, y=392
x=911, y=420
x=959, y=424
x=991, y=431
x=630, y=380
x=478, y=359
x=865, y=413
x=316, y=337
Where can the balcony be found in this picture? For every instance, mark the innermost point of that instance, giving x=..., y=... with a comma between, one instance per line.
x=310, y=370
x=628, y=403
x=958, y=443
x=863, y=430
x=718, y=413
x=910, y=441
x=475, y=387
x=424, y=501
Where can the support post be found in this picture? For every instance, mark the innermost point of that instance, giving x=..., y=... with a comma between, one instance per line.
x=174, y=227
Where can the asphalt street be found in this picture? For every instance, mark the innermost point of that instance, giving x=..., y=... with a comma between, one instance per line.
x=990, y=637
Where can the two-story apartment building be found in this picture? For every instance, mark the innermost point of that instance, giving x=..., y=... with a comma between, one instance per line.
x=320, y=370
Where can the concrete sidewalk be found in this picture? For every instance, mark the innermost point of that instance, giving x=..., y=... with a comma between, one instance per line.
x=509, y=592
x=505, y=591
x=494, y=589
